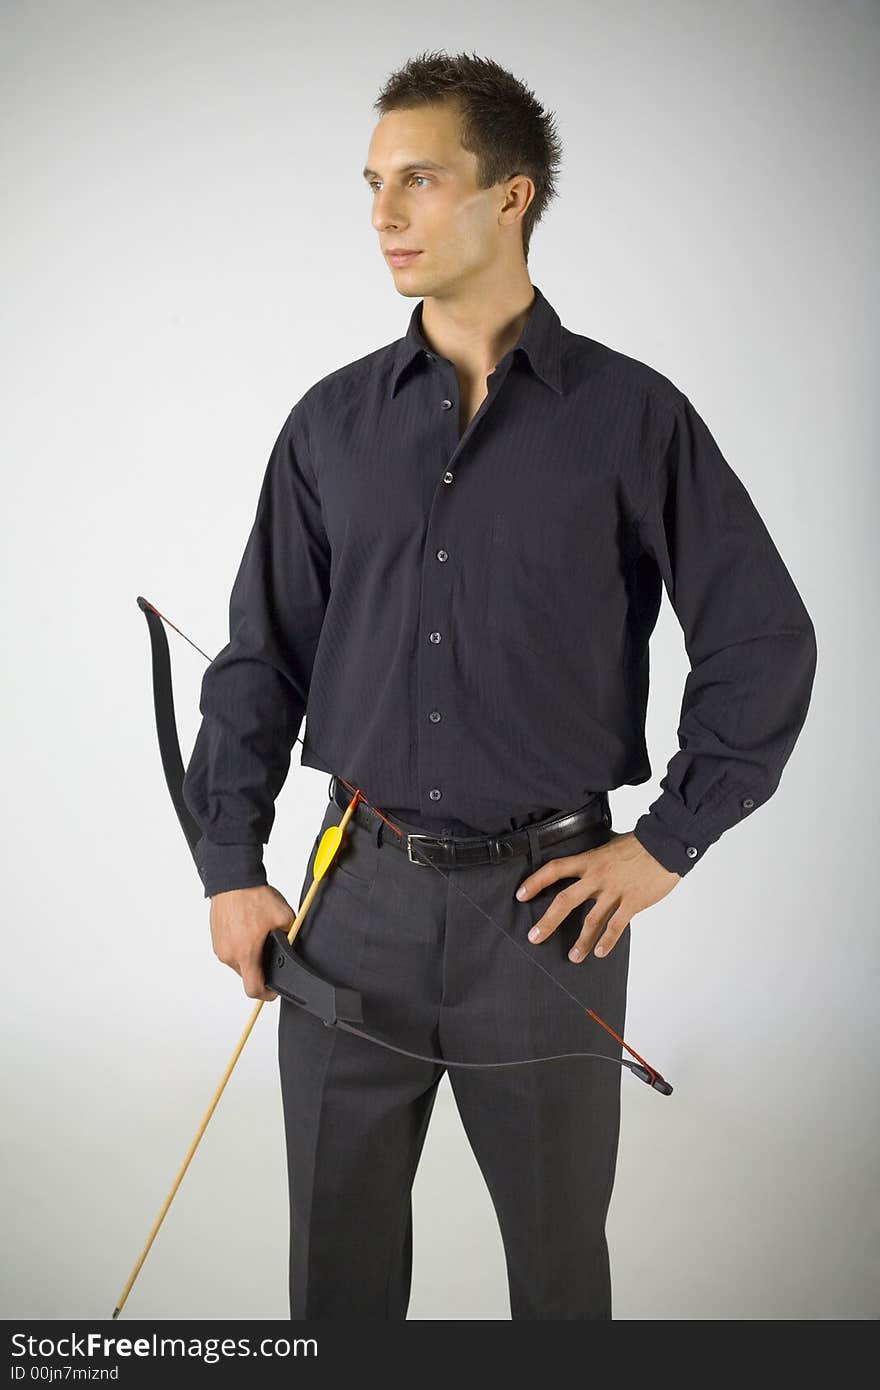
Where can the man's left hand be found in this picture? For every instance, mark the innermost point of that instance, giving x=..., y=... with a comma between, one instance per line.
x=622, y=877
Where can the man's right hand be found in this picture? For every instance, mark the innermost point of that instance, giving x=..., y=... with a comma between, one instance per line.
x=241, y=919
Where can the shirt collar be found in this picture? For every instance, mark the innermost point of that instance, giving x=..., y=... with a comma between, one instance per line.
x=540, y=340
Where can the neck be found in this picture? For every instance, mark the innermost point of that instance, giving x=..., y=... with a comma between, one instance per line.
x=474, y=330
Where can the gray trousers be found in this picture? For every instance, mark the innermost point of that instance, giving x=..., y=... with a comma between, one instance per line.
x=437, y=977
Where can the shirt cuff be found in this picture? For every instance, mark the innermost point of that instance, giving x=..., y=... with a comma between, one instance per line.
x=224, y=867
x=675, y=854
x=678, y=838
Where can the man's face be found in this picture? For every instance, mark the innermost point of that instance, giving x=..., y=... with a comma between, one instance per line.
x=439, y=212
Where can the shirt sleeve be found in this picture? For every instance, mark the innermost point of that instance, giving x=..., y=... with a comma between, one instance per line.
x=255, y=691
x=749, y=639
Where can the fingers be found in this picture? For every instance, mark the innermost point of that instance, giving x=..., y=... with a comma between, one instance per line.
x=614, y=929
x=240, y=922
x=592, y=934
x=613, y=901
x=589, y=932
x=564, y=866
x=254, y=980
x=603, y=925
x=565, y=901
x=252, y=977
x=592, y=928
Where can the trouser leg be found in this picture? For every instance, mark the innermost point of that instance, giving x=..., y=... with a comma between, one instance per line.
x=355, y=1125
x=545, y=1135
x=356, y=1115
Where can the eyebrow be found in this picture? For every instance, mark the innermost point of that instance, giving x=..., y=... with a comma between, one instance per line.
x=416, y=164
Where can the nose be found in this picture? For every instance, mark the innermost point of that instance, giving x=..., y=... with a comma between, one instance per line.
x=383, y=214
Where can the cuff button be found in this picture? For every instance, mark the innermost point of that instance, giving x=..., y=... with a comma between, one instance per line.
x=691, y=852
x=748, y=803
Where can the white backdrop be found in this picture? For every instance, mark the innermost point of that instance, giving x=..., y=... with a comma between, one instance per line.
x=186, y=248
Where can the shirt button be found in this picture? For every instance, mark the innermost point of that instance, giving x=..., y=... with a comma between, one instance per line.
x=442, y=554
x=430, y=356
x=691, y=852
x=447, y=477
x=434, y=716
x=435, y=636
x=435, y=793
x=748, y=803
x=446, y=405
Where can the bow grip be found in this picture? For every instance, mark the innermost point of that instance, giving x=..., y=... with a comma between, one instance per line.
x=287, y=974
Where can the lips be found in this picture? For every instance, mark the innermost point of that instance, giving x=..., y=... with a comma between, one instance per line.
x=401, y=257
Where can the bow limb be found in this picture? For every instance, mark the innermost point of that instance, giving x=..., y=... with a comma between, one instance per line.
x=284, y=970
x=640, y=1068
x=340, y=1007
x=166, y=724
x=646, y=1074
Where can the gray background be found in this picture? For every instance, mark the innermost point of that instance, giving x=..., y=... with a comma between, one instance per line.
x=186, y=248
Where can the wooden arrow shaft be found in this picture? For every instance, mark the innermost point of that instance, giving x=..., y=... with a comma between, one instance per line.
x=324, y=864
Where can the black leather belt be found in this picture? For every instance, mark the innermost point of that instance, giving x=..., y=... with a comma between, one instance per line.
x=458, y=852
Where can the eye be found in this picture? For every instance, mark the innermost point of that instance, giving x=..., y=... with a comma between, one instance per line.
x=373, y=183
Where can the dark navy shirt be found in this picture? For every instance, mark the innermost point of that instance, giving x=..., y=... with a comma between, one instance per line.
x=463, y=618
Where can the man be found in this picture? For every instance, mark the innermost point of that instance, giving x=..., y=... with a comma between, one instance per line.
x=455, y=568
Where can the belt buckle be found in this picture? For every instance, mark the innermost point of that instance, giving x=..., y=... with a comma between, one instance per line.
x=410, y=837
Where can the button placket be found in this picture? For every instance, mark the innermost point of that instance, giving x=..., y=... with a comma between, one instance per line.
x=436, y=600
x=436, y=603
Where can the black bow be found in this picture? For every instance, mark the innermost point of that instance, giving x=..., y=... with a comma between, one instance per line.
x=284, y=970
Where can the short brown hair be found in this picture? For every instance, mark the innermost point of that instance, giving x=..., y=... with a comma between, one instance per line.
x=502, y=122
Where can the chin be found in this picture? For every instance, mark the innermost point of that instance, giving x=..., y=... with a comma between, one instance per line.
x=409, y=285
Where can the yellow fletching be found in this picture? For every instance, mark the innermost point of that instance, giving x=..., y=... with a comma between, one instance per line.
x=326, y=850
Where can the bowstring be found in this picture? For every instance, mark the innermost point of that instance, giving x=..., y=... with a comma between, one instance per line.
x=530, y=957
